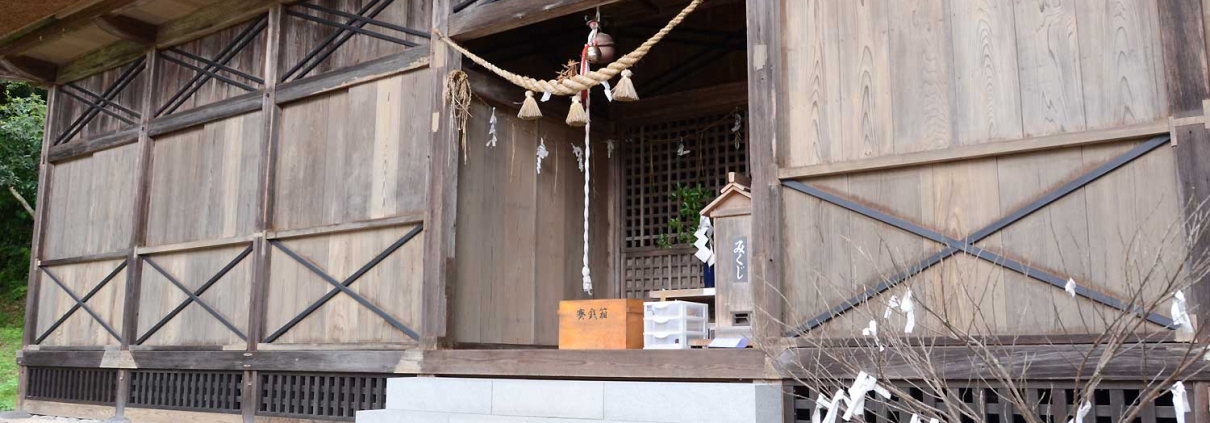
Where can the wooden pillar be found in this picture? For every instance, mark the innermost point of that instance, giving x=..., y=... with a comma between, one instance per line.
x=766, y=111
x=439, y=220
x=35, y=251
x=271, y=119
x=1182, y=31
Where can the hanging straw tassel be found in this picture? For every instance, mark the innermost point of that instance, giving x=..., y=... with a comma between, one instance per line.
x=529, y=109
x=625, y=89
x=576, y=116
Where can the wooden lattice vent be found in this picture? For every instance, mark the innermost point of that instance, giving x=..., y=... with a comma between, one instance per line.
x=1054, y=403
x=220, y=392
x=88, y=386
x=320, y=396
x=659, y=157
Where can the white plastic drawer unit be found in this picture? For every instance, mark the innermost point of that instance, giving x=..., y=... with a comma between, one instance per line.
x=675, y=309
x=675, y=324
x=670, y=340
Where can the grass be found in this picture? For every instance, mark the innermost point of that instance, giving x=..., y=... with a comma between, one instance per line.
x=11, y=319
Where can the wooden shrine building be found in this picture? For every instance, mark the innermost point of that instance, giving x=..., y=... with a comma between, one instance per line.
x=259, y=210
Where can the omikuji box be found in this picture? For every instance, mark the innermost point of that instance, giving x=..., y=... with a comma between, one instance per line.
x=615, y=324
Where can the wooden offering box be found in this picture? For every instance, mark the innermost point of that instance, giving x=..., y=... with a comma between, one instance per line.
x=615, y=324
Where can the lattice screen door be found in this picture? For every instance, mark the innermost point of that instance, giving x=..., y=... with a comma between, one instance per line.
x=694, y=151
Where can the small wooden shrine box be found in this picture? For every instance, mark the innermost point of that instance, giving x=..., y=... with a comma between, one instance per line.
x=614, y=324
x=731, y=215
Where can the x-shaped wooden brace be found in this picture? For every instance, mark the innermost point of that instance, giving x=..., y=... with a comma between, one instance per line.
x=343, y=286
x=100, y=102
x=80, y=303
x=967, y=245
x=195, y=296
x=210, y=68
x=355, y=24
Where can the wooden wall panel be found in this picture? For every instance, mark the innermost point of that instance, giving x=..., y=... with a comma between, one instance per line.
x=68, y=109
x=393, y=285
x=204, y=181
x=81, y=329
x=249, y=59
x=520, y=234
x=355, y=154
x=194, y=326
x=1111, y=236
x=869, y=79
x=306, y=35
x=90, y=204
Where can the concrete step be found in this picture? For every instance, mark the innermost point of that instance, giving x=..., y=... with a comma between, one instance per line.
x=516, y=401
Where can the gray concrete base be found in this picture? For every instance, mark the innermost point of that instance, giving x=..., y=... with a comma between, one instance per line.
x=453, y=400
x=116, y=419
x=13, y=415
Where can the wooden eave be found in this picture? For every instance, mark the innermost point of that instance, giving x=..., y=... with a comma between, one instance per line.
x=113, y=17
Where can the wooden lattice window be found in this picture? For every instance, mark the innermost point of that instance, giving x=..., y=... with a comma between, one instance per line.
x=89, y=386
x=323, y=396
x=659, y=158
x=184, y=390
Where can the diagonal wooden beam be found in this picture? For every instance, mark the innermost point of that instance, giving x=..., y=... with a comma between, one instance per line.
x=194, y=296
x=80, y=304
x=126, y=28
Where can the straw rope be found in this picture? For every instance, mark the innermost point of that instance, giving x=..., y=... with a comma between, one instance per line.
x=578, y=83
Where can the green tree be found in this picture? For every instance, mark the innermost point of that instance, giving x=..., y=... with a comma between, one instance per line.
x=22, y=114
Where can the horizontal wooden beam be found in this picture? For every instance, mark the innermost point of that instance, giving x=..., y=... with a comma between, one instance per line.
x=113, y=255
x=407, y=218
x=1027, y=362
x=409, y=60
x=88, y=147
x=202, y=22
x=195, y=245
x=622, y=364
x=710, y=100
x=968, y=152
x=127, y=28
x=482, y=20
x=203, y=114
x=65, y=409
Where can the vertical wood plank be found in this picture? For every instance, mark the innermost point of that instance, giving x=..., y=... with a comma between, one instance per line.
x=923, y=61
x=813, y=74
x=441, y=214
x=865, y=79
x=1048, y=51
x=765, y=87
x=985, y=71
x=1118, y=68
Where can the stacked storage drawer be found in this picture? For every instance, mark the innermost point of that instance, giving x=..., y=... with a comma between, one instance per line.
x=670, y=325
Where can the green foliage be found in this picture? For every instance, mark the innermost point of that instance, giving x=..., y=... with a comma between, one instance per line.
x=22, y=113
x=690, y=201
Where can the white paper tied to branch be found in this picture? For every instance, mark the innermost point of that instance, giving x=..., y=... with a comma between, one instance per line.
x=491, y=131
x=1081, y=412
x=905, y=306
x=542, y=153
x=862, y=386
x=705, y=252
x=579, y=152
x=833, y=406
x=1180, y=314
x=872, y=330
x=1180, y=401
x=916, y=419
x=1070, y=287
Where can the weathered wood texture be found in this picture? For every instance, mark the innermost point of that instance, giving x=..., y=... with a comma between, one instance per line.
x=221, y=47
x=355, y=154
x=69, y=109
x=520, y=233
x=89, y=206
x=868, y=86
x=204, y=181
x=81, y=329
x=193, y=325
x=393, y=285
x=868, y=81
x=305, y=35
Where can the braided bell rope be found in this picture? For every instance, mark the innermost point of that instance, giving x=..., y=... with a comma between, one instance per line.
x=578, y=83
